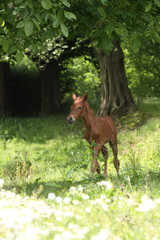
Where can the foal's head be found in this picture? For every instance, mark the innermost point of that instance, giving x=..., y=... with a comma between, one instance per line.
x=77, y=108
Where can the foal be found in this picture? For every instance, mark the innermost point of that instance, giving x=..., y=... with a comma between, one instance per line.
x=98, y=129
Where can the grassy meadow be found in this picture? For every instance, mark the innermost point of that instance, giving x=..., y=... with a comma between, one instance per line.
x=48, y=192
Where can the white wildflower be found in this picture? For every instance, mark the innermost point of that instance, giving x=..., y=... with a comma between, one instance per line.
x=96, y=201
x=66, y=200
x=72, y=190
x=108, y=200
x=59, y=218
x=102, y=235
x=103, y=196
x=105, y=207
x=157, y=201
x=154, y=238
x=130, y=202
x=73, y=226
x=97, y=225
x=58, y=237
x=58, y=199
x=80, y=188
x=75, y=202
x=82, y=231
x=1, y=183
x=118, y=219
x=106, y=184
x=9, y=194
x=88, y=210
x=57, y=212
x=85, y=196
x=68, y=214
x=51, y=196
x=67, y=235
x=146, y=205
x=78, y=217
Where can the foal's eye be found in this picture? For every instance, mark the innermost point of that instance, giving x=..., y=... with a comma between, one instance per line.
x=80, y=108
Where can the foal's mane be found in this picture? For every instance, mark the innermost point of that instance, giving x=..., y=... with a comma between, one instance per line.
x=88, y=107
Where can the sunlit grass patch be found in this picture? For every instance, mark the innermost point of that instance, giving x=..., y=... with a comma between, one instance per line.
x=46, y=166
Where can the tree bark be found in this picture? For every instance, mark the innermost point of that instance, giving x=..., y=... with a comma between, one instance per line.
x=116, y=98
x=50, y=88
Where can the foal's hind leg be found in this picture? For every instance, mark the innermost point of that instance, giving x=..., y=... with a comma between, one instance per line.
x=113, y=145
x=105, y=155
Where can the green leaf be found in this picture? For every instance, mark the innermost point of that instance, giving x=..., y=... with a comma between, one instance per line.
x=122, y=32
x=20, y=24
x=69, y=15
x=55, y=22
x=35, y=47
x=19, y=57
x=60, y=14
x=98, y=33
x=95, y=43
x=157, y=2
x=28, y=28
x=36, y=23
x=135, y=45
x=148, y=7
x=5, y=44
x=46, y=4
x=66, y=3
x=104, y=2
x=18, y=1
x=106, y=44
x=64, y=30
x=102, y=12
x=30, y=4
x=11, y=49
x=50, y=34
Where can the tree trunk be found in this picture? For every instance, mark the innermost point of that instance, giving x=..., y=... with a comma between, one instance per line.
x=50, y=89
x=116, y=97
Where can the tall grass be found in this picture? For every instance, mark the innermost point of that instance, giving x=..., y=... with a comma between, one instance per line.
x=49, y=192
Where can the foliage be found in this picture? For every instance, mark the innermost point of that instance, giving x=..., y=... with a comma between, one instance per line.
x=56, y=197
x=143, y=70
x=31, y=24
x=105, y=21
x=79, y=75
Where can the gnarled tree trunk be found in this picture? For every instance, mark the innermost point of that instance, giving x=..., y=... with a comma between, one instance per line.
x=50, y=88
x=116, y=97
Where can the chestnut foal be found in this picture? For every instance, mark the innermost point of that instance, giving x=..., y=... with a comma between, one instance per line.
x=98, y=129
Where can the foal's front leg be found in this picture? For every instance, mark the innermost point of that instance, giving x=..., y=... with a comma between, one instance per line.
x=95, y=165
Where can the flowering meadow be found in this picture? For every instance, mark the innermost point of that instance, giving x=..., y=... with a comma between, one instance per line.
x=48, y=192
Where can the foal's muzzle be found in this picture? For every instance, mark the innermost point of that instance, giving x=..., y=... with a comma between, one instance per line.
x=70, y=120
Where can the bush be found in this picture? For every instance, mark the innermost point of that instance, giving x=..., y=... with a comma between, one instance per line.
x=79, y=75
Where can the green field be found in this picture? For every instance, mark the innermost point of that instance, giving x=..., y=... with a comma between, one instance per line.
x=49, y=192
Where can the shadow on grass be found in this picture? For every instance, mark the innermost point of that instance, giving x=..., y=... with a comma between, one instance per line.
x=41, y=189
x=38, y=130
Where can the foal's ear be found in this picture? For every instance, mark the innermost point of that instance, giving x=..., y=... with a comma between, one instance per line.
x=85, y=96
x=74, y=96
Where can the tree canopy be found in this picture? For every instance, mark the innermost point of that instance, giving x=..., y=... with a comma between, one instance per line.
x=30, y=23
x=105, y=21
x=35, y=23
